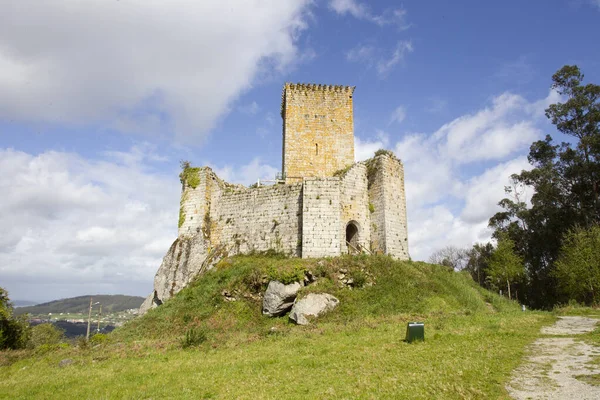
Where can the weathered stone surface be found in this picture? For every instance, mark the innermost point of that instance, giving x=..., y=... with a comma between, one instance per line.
x=314, y=304
x=279, y=298
x=319, y=130
x=187, y=258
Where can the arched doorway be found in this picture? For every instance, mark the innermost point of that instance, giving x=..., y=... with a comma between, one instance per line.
x=352, y=237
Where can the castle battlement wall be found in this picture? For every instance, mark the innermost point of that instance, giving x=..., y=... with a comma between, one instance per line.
x=386, y=193
x=318, y=130
x=320, y=217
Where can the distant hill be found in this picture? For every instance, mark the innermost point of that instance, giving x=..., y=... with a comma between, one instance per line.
x=23, y=303
x=110, y=303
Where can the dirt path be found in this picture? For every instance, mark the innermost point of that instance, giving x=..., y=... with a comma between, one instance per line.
x=550, y=370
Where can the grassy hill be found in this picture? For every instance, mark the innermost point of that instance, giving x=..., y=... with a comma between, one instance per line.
x=74, y=305
x=474, y=339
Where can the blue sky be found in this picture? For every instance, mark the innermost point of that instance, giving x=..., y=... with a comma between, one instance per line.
x=99, y=103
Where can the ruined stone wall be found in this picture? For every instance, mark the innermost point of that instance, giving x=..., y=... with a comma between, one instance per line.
x=318, y=130
x=389, y=232
x=193, y=202
x=258, y=219
x=321, y=217
x=354, y=203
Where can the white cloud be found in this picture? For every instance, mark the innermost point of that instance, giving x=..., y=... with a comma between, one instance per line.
x=455, y=177
x=364, y=150
x=398, y=114
x=379, y=59
x=491, y=133
x=437, y=105
x=247, y=174
x=249, y=109
x=361, y=11
x=384, y=66
x=483, y=192
x=140, y=65
x=75, y=226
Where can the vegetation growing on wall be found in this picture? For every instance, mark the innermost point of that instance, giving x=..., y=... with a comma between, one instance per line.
x=388, y=153
x=181, y=217
x=341, y=172
x=189, y=175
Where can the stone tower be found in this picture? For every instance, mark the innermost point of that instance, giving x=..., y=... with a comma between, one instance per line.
x=318, y=130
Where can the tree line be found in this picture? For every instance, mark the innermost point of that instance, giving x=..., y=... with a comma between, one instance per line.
x=547, y=249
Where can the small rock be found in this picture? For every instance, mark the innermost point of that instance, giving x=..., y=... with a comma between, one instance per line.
x=350, y=281
x=343, y=270
x=65, y=362
x=308, y=275
x=314, y=304
x=341, y=276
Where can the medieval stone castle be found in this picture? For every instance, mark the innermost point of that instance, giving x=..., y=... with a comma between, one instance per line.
x=324, y=204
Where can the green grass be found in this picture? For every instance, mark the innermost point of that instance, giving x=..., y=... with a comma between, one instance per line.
x=473, y=340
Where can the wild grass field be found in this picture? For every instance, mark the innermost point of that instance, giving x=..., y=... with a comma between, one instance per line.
x=473, y=340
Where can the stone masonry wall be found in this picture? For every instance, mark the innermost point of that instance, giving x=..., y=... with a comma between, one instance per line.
x=258, y=219
x=386, y=193
x=354, y=203
x=377, y=200
x=321, y=217
x=318, y=130
x=193, y=205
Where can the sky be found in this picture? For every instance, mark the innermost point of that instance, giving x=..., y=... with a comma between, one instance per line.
x=101, y=100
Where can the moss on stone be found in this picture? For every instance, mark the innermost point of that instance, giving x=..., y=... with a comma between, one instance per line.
x=181, y=217
x=385, y=152
x=343, y=171
x=190, y=176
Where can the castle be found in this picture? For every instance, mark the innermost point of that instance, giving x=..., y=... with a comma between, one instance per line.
x=324, y=204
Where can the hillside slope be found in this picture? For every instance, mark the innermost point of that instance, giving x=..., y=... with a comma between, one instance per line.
x=80, y=304
x=382, y=286
x=473, y=340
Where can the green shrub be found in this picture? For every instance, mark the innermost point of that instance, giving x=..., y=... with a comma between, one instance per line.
x=359, y=278
x=14, y=331
x=98, y=338
x=45, y=335
x=193, y=337
x=384, y=152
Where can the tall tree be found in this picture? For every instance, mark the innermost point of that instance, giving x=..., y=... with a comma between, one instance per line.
x=565, y=180
x=14, y=331
x=506, y=267
x=578, y=266
x=478, y=261
x=450, y=256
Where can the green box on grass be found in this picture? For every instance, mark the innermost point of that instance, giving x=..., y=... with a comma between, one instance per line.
x=415, y=331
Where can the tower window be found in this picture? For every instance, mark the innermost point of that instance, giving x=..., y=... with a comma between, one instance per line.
x=317, y=149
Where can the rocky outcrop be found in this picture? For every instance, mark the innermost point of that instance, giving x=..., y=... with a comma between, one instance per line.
x=186, y=259
x=279, y=298
x=314, y=304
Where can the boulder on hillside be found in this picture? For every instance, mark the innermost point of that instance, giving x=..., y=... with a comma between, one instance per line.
x=279, y=298
x=314, y=304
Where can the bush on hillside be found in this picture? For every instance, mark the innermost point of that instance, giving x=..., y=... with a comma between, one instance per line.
x=14, y=331
x=45, y=335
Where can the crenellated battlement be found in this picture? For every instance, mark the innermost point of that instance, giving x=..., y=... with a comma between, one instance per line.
x=312, y=88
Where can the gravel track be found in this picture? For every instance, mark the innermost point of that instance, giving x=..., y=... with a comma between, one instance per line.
x=550, y=369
